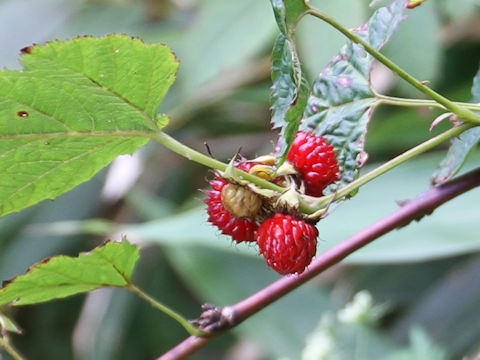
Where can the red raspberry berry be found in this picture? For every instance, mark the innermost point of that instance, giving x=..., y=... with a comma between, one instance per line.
x=288, y=244
x=239, y=228
x=315, y=159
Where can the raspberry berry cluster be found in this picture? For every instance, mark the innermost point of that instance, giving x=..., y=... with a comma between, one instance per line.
x=286, y=239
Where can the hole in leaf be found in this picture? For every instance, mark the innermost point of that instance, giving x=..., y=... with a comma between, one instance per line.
x=23, y=114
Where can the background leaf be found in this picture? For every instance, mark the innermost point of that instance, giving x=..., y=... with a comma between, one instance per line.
x=417, y=48
x=75, y=107
x=461, y=146
x=318, y=42
x=111, y=264
x=340, y=105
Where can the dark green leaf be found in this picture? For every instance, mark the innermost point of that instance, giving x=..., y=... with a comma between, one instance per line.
x=289, y=93
x=75, y=107
x=341, y=103
x=461, y=146
x=290, y=87
x=111, y=264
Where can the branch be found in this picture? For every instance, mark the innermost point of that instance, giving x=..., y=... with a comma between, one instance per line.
x=415, y=209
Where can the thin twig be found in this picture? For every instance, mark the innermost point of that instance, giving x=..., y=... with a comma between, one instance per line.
x=415, y=209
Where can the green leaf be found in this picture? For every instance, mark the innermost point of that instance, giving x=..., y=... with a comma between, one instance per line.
x=289, y=93
x=111, y=264
x=73, y=109
x=341, y=103
x=290, y=87
x=461, y=146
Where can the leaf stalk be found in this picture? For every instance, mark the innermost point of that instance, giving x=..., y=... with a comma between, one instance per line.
x=192, y=330
x=390, y=100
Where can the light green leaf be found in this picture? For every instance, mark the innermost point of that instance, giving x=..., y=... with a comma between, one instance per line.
x=461, y=146
x=341, y=102
x=111, y=264
x=73, y=109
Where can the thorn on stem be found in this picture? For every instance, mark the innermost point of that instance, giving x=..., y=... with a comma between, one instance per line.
x=209, y=151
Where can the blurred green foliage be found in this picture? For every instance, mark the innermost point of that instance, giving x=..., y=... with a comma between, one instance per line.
x=221, y=97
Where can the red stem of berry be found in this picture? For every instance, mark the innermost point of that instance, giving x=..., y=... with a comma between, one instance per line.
x=415, y=209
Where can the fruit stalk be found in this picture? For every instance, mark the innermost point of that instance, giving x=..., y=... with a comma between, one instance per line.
x=200, y=158
x=166, y=310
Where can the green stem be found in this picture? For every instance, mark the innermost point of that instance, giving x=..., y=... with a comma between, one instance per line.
x=462, y=112
x=413, y=152
x=200, y=158
x=390, y=100
x=5, y=343
x=192, y=330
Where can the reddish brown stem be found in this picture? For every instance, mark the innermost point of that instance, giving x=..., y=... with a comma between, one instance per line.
x=415, y=209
